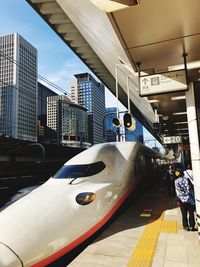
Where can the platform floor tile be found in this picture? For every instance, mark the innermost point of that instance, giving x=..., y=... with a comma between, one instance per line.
x=134, y=241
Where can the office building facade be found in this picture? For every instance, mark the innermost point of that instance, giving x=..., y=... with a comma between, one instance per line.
x=136, y=135
x=44, y=132
x=91, y=95
x=109, y=129
x=68, y=121
x=18, y=88
x=74, y=91
x=43, y=93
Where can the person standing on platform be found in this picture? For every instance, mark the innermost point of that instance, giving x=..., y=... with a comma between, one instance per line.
x=169, y=180
x=185, y=199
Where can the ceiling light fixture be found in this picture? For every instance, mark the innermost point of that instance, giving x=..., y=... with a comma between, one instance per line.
x=174, y=98
x=151, y=101
x=179, y=113
x=190, y=65
x=183, y=133
x=180, y=122
x=182, y=129
x=165, y=118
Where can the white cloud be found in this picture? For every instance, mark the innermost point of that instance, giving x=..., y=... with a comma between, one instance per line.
x=63, y=76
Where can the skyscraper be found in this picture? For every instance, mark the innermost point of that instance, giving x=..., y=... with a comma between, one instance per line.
x=18, y=88
x=91, y=95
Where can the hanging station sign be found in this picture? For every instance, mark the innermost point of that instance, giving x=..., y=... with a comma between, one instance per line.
x=167, y=82
x=172, y=139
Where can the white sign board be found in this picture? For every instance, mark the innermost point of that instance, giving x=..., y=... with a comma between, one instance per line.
x=172, y=140
x=172, y=81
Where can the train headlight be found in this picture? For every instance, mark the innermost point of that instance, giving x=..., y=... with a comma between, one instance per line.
x=85, y=198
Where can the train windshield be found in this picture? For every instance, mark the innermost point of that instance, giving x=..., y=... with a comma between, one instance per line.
x=82, y=170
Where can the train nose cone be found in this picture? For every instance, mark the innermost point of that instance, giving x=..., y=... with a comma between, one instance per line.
x=8, y=257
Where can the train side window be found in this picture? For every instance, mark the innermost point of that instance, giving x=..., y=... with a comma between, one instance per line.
x=154, y=163
x=82, y=170
x=137, y=166
x=150, y=163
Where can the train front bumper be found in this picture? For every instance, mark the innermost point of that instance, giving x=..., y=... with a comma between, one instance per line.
x=8, y=258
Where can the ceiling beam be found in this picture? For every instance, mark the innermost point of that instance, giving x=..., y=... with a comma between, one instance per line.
x=50, y=7
x=58, y=19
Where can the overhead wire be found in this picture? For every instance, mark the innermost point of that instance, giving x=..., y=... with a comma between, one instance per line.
x=28, y=70
x=16, y=88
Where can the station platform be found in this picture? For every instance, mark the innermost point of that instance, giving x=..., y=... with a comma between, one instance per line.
x=148, y=233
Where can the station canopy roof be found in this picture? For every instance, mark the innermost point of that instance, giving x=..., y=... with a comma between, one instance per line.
x=156, y=34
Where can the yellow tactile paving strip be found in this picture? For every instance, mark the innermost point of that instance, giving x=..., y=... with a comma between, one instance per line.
x=145, y=250
x=169, y=227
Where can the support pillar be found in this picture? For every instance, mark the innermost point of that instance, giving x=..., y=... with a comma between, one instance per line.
x=194, y=147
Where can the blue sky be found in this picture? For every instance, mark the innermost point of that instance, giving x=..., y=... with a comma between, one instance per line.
x=56, y=62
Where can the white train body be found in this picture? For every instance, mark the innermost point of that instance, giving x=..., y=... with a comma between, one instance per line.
x=47, y=223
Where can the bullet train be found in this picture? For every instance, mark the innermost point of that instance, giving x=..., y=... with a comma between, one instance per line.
x=72, y=205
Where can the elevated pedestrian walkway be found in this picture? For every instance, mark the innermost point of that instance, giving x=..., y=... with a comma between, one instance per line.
x=148, y=233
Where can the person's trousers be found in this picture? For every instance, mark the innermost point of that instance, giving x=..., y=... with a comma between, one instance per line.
x=187, y=208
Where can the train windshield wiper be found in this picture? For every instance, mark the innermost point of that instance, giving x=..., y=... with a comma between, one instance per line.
x=73, y=180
